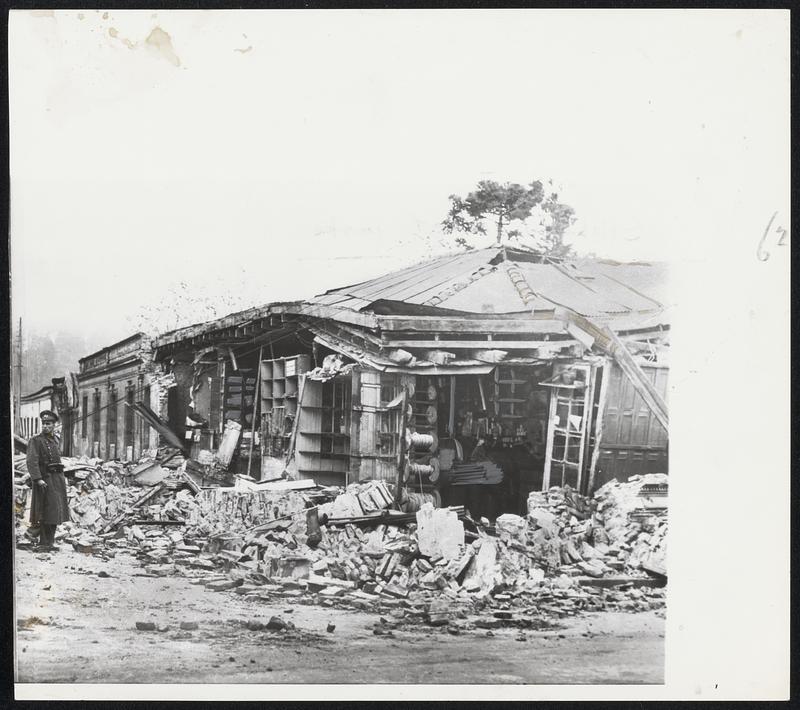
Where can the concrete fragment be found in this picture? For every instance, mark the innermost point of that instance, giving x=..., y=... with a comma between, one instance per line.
x=590, y=569
x=542, y=517
x=439, y=532
x=480, y=574
x=511, y=526
x=439, y=612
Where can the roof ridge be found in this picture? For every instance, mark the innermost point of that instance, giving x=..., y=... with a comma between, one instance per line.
x=520, y=283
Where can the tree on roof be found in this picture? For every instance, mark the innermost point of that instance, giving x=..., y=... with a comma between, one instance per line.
x=529, y=215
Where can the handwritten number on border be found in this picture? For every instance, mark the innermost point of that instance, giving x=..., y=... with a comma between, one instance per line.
x=761, y=252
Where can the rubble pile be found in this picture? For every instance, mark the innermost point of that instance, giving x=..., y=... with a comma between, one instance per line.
x=226, y=510
x=350, y=549
x=634, y=516
x=621, y=529
x=21, y=486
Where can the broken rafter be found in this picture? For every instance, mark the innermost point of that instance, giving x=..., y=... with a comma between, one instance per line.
x=607, y=341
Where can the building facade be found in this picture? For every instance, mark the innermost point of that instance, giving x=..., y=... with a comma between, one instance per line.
x=30, y=406
x=60, y=396
x=109, y=382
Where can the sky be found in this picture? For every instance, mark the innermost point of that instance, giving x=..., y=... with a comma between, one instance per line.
x=254, y=156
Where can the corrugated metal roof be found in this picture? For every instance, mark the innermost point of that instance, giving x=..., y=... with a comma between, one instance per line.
x=494, y=293
x=415, y=283
x=650, y=280
x=473, y=282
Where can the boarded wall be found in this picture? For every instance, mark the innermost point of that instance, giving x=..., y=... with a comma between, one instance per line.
x=633, y=440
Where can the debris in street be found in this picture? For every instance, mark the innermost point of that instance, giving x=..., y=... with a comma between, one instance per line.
x=440, y=533
x=350, y=548
x=276, y=624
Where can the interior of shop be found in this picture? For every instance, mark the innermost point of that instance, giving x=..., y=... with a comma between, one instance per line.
x=479, y=440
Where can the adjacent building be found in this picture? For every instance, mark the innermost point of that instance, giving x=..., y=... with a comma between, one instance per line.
x=109, y=383
x=60, y=396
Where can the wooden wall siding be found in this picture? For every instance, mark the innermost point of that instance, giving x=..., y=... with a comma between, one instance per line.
x=323, y=431
x=374, y=437
x=633, y=440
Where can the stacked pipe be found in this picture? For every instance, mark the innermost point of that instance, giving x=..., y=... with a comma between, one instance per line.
x=422, y=464
x=481, y=473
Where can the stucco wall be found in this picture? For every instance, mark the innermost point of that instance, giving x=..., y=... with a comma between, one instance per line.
x=134, y=375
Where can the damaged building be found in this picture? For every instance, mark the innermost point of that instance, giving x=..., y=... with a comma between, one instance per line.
x=60, y=397
x=471, y=379
x=111, y=384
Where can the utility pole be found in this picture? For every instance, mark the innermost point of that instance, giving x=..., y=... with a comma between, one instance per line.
x=19, y=375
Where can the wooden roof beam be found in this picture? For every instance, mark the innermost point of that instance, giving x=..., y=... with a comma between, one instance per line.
x=480, y=344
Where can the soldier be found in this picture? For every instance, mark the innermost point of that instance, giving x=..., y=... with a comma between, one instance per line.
x=49, y=503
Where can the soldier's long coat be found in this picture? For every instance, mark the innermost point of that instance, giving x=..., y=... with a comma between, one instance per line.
x=49, y=506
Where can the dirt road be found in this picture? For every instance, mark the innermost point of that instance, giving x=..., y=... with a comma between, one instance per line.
x=74, y=625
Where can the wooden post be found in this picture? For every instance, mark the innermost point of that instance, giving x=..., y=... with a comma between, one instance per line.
x=548, y=453
x=296, y=422
x=451, y=419
x=598, y=426
x=256, y=397
x=588, y=411
x=402, y=449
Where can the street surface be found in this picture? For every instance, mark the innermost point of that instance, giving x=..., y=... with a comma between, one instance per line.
x=75, y=626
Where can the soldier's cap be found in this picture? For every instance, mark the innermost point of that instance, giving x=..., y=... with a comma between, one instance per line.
x=47, y=414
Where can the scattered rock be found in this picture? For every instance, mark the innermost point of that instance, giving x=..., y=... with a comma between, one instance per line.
x=277, y=624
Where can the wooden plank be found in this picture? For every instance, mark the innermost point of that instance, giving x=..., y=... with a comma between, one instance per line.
x=598, y=427
x=426, y=324
x=588, y=408
x=309, y=418
x=548, y=457
x=641, y=382
x=296, y=422
x=366, y=320
x=256, y=397
x=477, y=344
x=451, y=417
x=401, y=454
x=607, y=341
